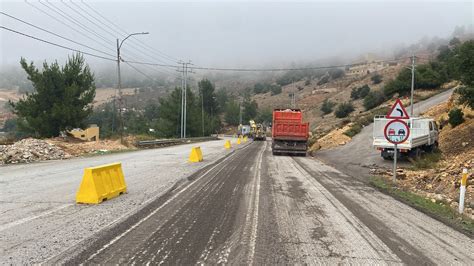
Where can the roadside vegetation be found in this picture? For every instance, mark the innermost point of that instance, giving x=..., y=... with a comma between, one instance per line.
x=438, y=209
x=62, y=98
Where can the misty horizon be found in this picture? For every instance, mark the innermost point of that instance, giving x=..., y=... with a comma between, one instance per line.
x=231, y=34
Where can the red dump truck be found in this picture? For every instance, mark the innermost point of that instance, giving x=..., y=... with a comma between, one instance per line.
x=289, y=133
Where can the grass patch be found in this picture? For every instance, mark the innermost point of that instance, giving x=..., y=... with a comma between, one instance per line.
x=364, y=120
x=353, y=130
x=438, y=209
x=426, y=161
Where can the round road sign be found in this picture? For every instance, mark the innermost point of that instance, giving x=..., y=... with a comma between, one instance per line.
x=396, y=131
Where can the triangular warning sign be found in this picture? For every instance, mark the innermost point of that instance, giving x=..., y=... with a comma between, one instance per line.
x=398, y=111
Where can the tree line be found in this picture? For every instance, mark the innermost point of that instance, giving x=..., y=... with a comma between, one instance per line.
x=455, y=61
x=62, y=99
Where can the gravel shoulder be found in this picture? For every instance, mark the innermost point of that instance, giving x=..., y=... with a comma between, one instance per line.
x=40, y=218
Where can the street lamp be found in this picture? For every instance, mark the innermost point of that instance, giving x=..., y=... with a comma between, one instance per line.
x=119, y=45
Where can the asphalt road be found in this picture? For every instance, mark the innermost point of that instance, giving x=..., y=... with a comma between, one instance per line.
x=255, y=208
x=39, y=218
x=239, y=206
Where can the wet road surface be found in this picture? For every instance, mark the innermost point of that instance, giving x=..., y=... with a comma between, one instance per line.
x=255, y=208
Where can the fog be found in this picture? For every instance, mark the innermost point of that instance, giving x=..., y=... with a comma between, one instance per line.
x=232, y=33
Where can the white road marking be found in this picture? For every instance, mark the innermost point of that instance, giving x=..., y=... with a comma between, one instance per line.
x=253, y=235
x=117, y=238
x=27, y=219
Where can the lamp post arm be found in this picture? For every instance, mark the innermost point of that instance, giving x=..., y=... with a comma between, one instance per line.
x=130, y=35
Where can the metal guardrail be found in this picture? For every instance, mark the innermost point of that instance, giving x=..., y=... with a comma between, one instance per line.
x=170, y=142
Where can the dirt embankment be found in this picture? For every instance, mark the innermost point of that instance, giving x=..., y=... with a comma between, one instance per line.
x=32, y=150
x=438, y=176
x=79, y=148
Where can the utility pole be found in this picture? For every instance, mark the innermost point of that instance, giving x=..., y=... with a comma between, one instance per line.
x=182, y=101
x=184, y=86
x=412, y=84
x=202, y=111
x=240, y=113
x=293, y=100
x=185, y=97
x=119, y=84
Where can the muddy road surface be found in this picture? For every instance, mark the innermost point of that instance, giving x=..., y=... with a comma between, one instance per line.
x=255, y=208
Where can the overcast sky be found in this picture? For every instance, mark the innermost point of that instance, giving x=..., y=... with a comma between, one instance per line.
x=231, y=33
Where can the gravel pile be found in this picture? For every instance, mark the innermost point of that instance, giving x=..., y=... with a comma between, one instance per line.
x=30, y=150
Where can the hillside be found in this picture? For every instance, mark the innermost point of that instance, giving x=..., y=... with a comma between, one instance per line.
x=437, y=176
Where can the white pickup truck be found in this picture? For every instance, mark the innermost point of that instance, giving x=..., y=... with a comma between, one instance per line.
x=423, y=137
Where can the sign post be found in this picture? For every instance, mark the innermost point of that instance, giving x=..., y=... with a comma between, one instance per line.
x=395, y=154
x=396, y=131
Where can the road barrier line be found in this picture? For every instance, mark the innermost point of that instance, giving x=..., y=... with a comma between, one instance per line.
x=117, y=238
x=253, y=236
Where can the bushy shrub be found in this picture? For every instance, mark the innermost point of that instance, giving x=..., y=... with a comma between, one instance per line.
x=353, y=130
x=376, y=79
x=323, y=80
x=327, y=106
x=344, y=109
x=373, y=99
x=336, y=73
x=361, y=92
x=455, y=117
x=275, y=89
x=466, y=96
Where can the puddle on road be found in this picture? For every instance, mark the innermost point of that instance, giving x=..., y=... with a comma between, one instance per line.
x=295, y=189
x=318, y=233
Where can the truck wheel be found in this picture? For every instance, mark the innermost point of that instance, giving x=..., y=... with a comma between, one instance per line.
x=415, y=153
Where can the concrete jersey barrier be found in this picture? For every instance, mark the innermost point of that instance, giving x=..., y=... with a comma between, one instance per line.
x=101, y=183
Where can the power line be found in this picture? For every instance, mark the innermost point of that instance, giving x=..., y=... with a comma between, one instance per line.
x=55, y=44
x=266, y=69
x=150, y=63
x=77, y=23
x=57, y=35
x=153, y=69
x=111, y=34
x=116, y=32
x=139, y=71
x=287, y=69
x=65, y=24
x=86, y=29
x=143, y=45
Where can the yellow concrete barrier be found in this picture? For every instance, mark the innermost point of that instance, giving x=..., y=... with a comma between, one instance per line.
x=238, y=141
x=195, y=155
x=227, y=144
x=101, y=183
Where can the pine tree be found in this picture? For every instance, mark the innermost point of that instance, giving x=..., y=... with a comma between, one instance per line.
x=61, y=100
